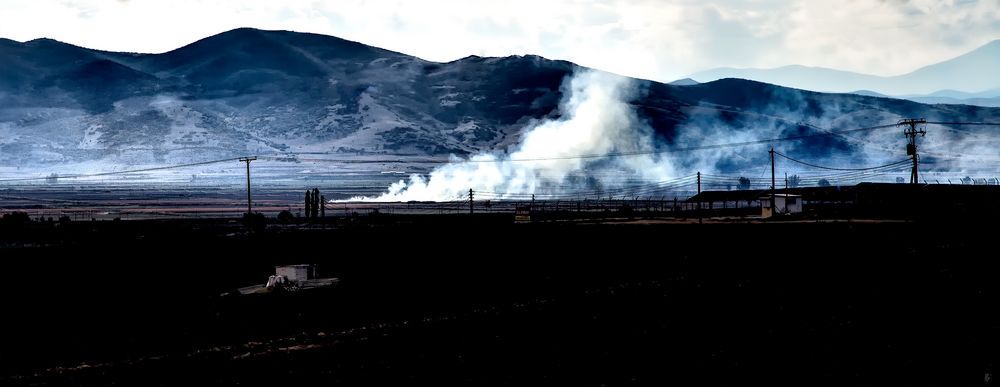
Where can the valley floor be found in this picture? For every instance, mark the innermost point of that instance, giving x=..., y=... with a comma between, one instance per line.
x=471, y=300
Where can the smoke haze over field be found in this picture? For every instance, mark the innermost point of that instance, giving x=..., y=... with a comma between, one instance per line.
x=596, y=120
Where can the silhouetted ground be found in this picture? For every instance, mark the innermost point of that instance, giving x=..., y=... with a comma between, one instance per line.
x=481, y=301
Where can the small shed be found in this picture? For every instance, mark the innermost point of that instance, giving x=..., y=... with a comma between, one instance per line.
x=295, y=273
x=522, y=214
x=783, y=203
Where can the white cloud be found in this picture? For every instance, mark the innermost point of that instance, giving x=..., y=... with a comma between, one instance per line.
x=889, y=36
x=654, y=39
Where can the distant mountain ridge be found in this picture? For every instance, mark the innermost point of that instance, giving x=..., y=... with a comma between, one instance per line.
x=972, y=73
x=249, y=91
x=684, y=82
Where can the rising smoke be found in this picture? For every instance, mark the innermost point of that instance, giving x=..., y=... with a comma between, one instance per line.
x=596, y=121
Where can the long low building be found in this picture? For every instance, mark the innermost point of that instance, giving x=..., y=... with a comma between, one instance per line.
x=872, y=199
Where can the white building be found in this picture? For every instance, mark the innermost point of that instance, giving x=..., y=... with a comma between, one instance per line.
x=784, y=203
x=294, y=273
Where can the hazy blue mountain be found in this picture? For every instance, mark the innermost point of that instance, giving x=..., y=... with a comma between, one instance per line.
x=987, y=102
x=972, y=72
x=249, y=91
x=684, y=82
x=990, y=98
x=870, y=93
x=961, y=94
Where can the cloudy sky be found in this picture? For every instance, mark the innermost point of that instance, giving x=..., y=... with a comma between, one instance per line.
x=655, y=39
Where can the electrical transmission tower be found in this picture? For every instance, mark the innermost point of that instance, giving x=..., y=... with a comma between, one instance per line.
x=248, y=160
x=911, y=133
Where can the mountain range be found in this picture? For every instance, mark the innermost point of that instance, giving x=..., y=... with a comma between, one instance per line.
x=250, y=91
x=971, y=78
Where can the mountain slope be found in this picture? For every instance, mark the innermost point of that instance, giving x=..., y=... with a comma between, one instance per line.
x=249, y=91
x=972, y=72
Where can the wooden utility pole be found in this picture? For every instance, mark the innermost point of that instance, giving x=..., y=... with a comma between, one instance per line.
x=315, y=203
x=309, y=202
x=470, y=201
x=248, y=160
x=772, y=180
x=699, y=199
x=911, y=144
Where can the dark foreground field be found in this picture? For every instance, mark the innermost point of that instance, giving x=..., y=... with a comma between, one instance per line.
x=452, y=301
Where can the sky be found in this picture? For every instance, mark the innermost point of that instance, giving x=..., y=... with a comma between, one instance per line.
x=661, y=40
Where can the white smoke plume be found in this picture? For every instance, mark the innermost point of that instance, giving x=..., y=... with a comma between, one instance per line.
x=596, y=120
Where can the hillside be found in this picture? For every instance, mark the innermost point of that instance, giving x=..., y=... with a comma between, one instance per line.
x=250, y=91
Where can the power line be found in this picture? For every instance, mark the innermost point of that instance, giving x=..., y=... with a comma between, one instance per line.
x=838, y=176
x=964, y=123
x=702, y=147
x=581, y=194
x=343, y=161
x=839, y=169
x=77, y=176
x=608, y=155
x=595, y=156
x=823, y=132
x=662, y=186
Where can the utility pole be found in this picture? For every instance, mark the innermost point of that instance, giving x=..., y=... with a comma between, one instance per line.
x=699, y=199
x=772, y=181
x=248, y=160
x=308, y=203
x=786, y=180
x=911, y=144
x=470, y=201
